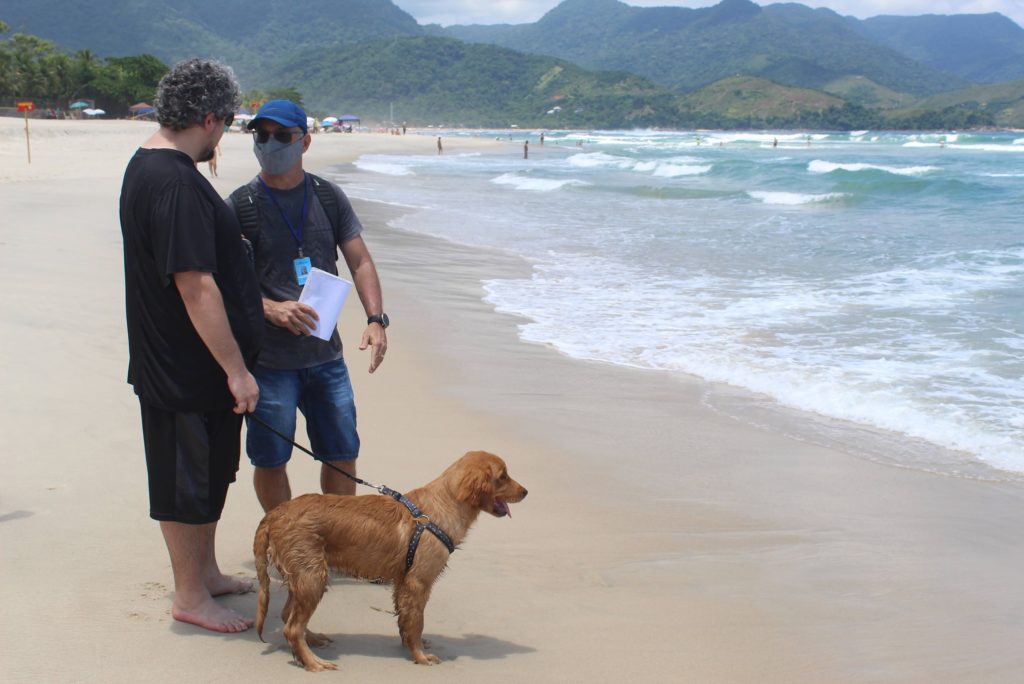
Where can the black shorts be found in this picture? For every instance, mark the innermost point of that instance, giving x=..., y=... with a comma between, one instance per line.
x=191, y=459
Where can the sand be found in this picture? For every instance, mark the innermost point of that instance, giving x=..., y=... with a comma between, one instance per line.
x=662, y=540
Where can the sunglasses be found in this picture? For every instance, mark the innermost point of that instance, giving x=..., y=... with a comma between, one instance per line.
x=280, y=135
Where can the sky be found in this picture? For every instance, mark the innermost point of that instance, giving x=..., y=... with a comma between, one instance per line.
x=447, y=12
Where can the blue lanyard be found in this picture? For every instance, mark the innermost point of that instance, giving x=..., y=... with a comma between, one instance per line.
x=297, y=234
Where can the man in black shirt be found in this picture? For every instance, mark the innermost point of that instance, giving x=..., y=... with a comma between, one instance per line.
x=195, y=321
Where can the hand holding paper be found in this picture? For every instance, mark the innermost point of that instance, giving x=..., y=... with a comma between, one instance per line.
x=326, y=293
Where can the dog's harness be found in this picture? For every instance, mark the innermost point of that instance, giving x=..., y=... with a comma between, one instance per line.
x=421, y=520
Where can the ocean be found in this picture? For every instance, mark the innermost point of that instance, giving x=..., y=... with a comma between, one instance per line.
x=863, y=290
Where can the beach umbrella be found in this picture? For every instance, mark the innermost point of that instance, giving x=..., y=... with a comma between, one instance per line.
x=329, y=121
x=93, y=112
x=79, y=105
x=348, y=117
x=139, y=107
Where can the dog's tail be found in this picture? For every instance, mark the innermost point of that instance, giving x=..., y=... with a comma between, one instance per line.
x=261, y=552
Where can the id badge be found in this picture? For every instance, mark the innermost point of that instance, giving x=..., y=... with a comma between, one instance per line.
x=302, y=267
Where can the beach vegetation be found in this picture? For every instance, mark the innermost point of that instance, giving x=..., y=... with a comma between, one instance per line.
x=35, y=69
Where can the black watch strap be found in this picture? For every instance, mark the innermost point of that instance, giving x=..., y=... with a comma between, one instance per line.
x=382, y=319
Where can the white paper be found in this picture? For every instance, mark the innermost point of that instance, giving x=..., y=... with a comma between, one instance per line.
x=326, y=294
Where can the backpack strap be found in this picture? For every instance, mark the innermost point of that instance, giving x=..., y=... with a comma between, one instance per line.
x=245, y=205
x=245, y=209
x=329, y=201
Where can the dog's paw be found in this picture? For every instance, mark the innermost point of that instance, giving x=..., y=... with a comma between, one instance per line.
x=317, y=665
x=422, y=658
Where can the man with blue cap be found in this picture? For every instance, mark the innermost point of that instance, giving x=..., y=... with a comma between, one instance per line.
x=297, y=221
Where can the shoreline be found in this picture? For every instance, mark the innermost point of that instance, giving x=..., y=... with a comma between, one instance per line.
x=748, y=406
x=661, y=539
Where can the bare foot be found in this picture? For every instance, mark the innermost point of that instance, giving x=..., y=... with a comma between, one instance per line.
x=220, y=585
x=210, y=615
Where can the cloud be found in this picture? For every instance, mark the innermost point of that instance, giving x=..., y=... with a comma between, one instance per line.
x=448, y=12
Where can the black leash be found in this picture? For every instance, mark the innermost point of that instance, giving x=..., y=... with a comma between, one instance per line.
x=421, y=519
x=302, y=448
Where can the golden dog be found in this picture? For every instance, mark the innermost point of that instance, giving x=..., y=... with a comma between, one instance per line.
x=368, y=537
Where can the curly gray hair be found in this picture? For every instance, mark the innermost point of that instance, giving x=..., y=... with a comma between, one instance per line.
x=193, y=89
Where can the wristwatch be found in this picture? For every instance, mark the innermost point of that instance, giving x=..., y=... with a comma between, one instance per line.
x=379, y=318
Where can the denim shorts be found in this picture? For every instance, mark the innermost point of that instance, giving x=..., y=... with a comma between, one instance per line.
x=324, y=395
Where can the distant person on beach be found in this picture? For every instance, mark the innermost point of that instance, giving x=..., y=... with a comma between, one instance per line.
x=297, y=221
x=775, y=142
x=213, y=159
x=440, y=149
x=542, y=137
x=526, y=149
x=195, y=322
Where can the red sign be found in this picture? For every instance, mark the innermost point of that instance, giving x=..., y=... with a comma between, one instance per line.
x=26, y=106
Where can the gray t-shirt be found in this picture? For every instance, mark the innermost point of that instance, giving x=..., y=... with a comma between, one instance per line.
x=276, y=247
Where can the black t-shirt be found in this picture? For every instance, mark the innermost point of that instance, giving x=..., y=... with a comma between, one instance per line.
x=173, y=221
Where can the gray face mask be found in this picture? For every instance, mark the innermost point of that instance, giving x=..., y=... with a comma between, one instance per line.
x=276, y=157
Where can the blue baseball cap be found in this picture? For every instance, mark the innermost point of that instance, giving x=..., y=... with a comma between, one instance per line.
x=284, y=112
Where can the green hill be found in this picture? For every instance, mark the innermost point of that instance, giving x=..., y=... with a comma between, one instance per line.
x=979, y=48
x=250, y=35
x=368, y=56
x=463, y=84
x=1004, y=102
x=758, y=100
x=686, y=49
x=441, y=80
x=863, y=91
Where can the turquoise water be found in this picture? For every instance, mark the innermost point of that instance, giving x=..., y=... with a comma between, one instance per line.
x=872, y=277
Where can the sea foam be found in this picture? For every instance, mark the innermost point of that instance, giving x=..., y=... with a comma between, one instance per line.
x=820, y=166
x=794, y=198
x=536, y=184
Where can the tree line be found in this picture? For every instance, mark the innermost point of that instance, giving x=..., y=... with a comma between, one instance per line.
x=32, y=68
x=35, y=69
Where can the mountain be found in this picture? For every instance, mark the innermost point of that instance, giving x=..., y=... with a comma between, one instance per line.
x=685, y=49
x=735, y=64
x=442, y=80
x=979, y=48
x=250, y=36
x=449, y=82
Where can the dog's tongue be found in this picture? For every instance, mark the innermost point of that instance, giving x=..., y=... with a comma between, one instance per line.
x=502, y=507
